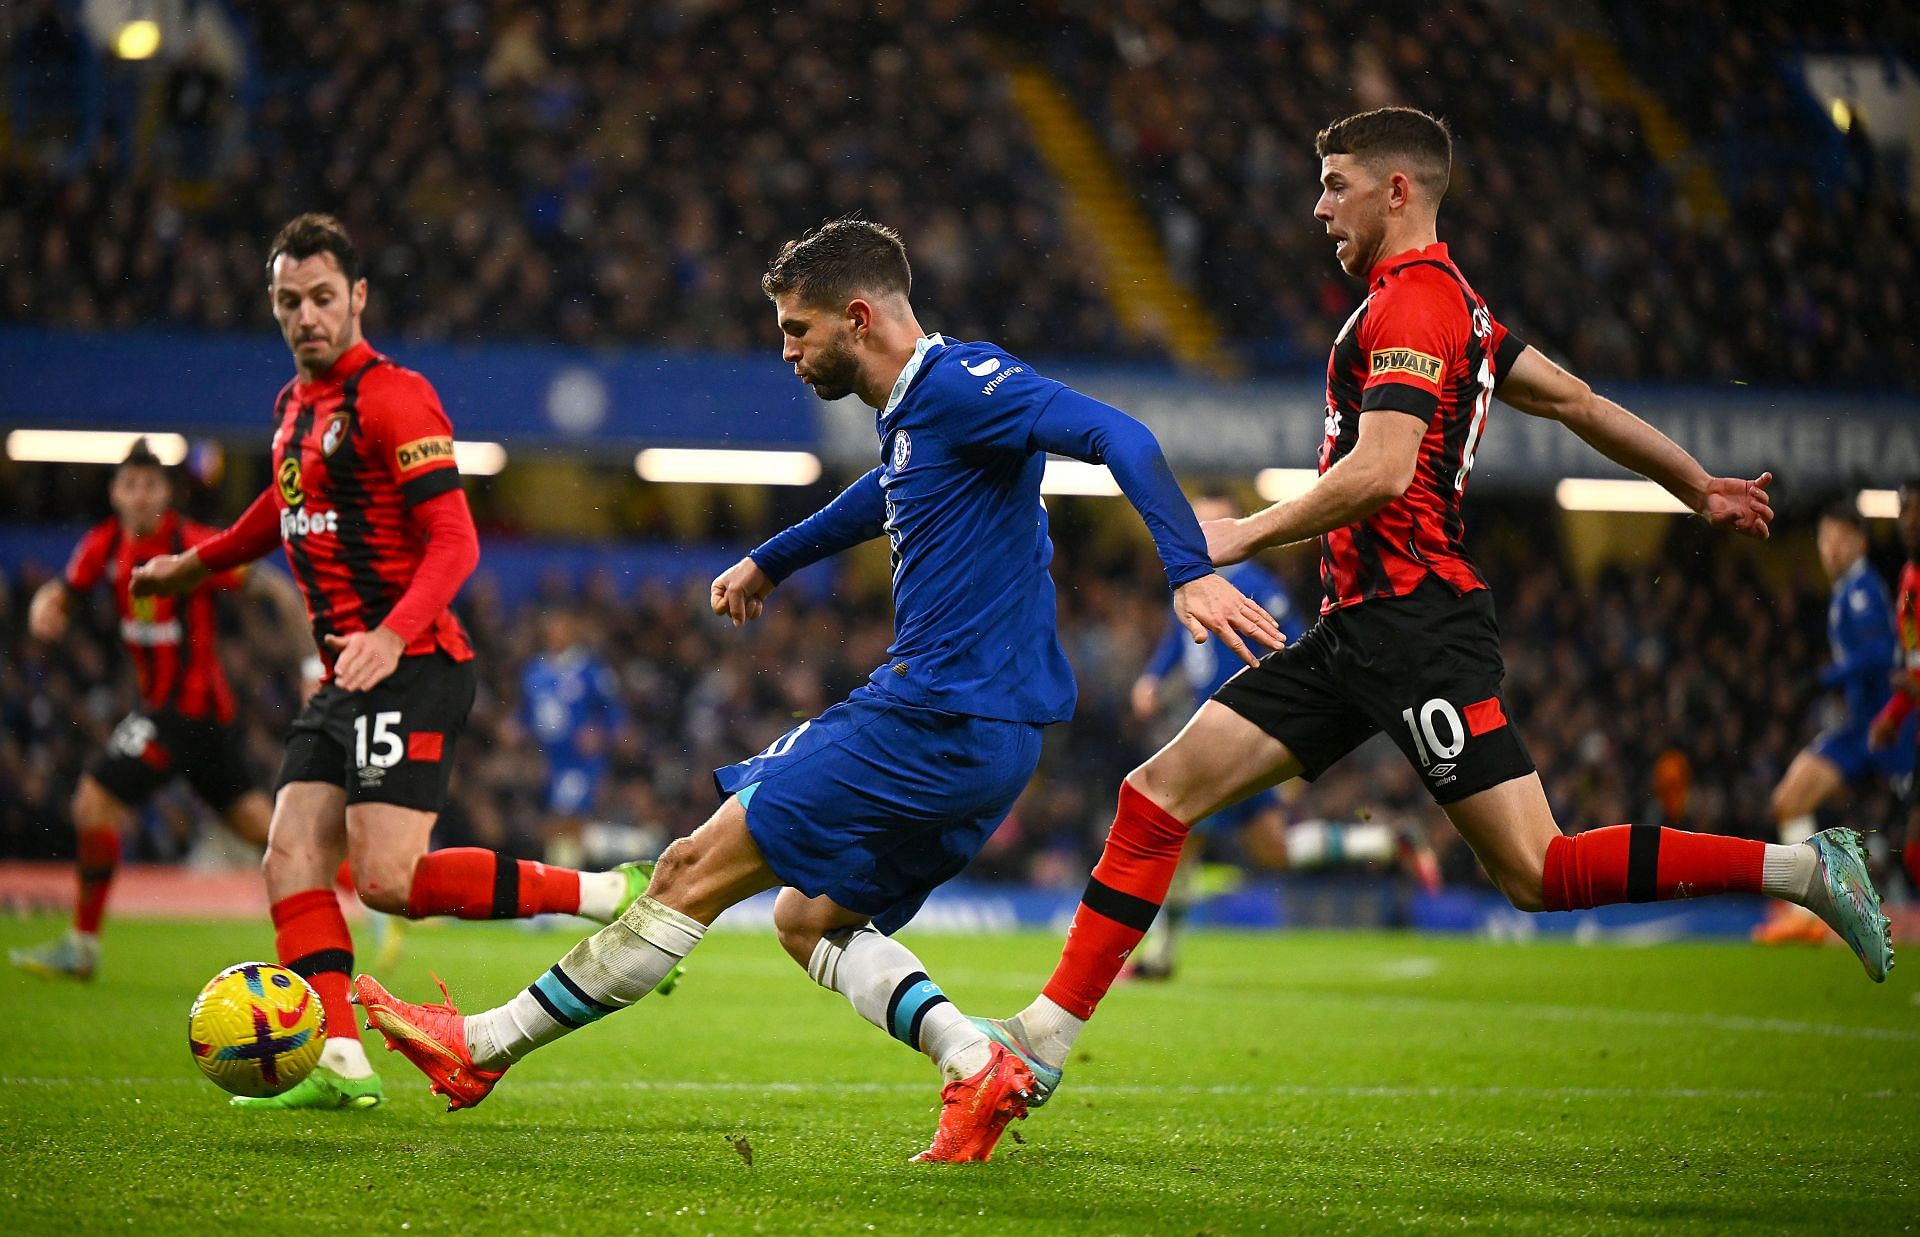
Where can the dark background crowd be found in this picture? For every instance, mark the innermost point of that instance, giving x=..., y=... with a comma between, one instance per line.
x=620, y=171
x=1674, y=687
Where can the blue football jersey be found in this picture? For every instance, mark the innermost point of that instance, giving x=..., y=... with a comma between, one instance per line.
x=1860, y=629
x=1208, y=666
x=562, y=696
x=963, y=437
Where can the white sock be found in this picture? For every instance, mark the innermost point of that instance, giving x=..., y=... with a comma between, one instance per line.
x=1787, y=872
x=600, y=894
x=1048, y=1030
x=610, y=970
x=1797, y=830
x=889, y=988
x=344, y=1056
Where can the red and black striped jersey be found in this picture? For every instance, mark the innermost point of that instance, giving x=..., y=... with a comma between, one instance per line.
x=172, y=640
x=1906, y=619
x=354, y=452
x=1423, y=343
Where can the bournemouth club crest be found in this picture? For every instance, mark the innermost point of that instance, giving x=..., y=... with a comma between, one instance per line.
x=334, y=434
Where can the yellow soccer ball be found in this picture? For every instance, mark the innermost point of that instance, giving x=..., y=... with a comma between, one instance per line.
x=256, y=1029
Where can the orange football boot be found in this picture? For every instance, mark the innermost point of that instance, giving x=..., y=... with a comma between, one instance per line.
x=432, y=1037
x=974, y=1111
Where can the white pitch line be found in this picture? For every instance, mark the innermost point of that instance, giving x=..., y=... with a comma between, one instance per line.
x=1302, y=1091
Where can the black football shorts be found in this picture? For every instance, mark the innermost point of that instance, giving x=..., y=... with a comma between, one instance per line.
x=390, y=744
x=1425, y=668
x=149, y=749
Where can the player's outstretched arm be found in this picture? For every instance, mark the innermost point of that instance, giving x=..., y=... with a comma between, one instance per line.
x=251, y=536
x=47, y=612
x=1083, y=428
x=1378, y=470
x=856, y=514
x=1538, y=387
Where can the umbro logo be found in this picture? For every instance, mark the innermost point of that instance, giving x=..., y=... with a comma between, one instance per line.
x=983, y=368
x=1440, y=770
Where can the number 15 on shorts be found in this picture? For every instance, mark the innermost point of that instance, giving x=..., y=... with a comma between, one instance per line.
x=376, y=743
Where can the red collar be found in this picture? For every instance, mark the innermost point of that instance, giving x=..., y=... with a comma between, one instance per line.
x=1436, y=252
x=347, y=363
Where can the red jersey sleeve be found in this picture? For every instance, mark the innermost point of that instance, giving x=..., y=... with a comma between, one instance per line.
x=1413, y=330
x=193, y=533
x=412, y=435
x=89, y=560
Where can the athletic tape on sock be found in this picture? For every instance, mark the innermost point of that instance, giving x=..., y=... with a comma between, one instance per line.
x=623, y=961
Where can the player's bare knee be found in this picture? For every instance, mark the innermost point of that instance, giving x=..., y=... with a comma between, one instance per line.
x=383, y=882
x=1523, y=887
x=672, y=870
x=801, y=922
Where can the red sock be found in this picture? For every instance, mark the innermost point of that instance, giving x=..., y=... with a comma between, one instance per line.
x=311, y=936
x=1645, y=863
x=478, y=884
x=1910, y=857
x=97, y=856
x=1125, y=892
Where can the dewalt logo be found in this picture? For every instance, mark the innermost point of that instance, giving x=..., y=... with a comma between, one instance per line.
x=1405, y=361
x=291, y=492
x=421, y=452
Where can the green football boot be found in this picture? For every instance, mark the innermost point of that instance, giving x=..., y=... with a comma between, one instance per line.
x=321, y=1089
x=1045, y=1077
x=1843, y=896
x=639, y=875
x=70, y=957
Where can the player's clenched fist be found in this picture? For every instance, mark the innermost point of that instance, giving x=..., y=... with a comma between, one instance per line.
x=1210, y=604
x=740, y=591
x=169, y=574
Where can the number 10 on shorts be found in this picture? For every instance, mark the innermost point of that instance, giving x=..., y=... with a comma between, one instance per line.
x=382, y=748
x=1426, y=735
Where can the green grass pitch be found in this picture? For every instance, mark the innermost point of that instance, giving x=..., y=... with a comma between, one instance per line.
x=1288, y=1083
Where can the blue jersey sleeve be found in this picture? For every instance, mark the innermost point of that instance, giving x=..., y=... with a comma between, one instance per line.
x=1166, y=654
x=858, y=514
x=1083, y=428
x=1868, y=638
x=606, y=690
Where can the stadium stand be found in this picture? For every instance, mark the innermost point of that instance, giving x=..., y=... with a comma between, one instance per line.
x=533, y=170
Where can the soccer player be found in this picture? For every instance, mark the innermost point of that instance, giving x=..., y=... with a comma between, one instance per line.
x=1860, y=632
x=570, y=704
x=1406, y=641
x=184, y=726
x=864, y=810
x=1904, y=700
x=1265, y=835
x=366, y=499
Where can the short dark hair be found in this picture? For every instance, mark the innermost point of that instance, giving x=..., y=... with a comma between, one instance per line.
x=315, y=233
x=140, y=455
x=838, y=261
x=1387, y=133
x=1845, y=511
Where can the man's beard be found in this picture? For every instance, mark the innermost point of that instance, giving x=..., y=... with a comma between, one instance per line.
x=834, y=372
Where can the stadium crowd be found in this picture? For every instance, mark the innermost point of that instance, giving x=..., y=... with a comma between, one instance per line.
x=1560, y=214
x=554, y=170
x=1673, y=690
x=519, y=169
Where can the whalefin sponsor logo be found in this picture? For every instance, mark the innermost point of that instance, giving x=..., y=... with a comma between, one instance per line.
x=983, y=368
x=994, y=383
